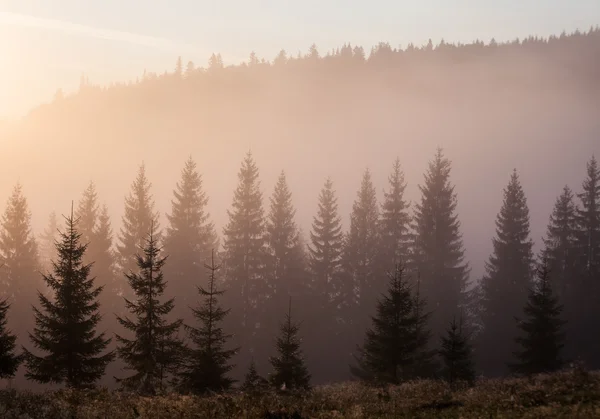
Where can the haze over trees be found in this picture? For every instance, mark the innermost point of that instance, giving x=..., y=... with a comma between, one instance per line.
x=356, y=168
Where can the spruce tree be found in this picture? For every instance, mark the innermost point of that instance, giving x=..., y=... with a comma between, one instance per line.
x=389, y=347
x=587, y=294
x=457, y=355
x=189, y=238
x=288, y=366
x=324, y=260
x=19, y=253
x=9, y=361
x=253, y=382
x=87, y=214
x=104, y=260
x=208, y=363
x=139, y=218
x=154, y=351
x=65, y=324
x=394, y=224
x=508, y=275
x=244, y=254
x=47, y=246
x=360, y=250
x=542, y=339
x=285, y=263
x=438, y=252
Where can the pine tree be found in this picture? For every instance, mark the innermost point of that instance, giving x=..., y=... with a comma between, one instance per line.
x=588, y=219
x=190, y=236
x=542, y=338
x=285, y=263
x=253, y=382
x=359, y=253
x=139, y=218
x=154, y=351
x=9, y=361
x=438, y=252
x=394, y=225
x=208, y=364
x=507, y=278
x=19, y=253
x=288, y=365
x=457, y=355
x=66, y=331
x=244, y=256
x=325, y=249
x=47, y=243
x=389, y=348
x=87, y=214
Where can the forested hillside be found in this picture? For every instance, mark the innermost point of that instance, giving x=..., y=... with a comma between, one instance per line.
x=483, y=137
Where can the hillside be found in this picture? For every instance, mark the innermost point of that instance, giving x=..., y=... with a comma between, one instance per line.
x=530, y=104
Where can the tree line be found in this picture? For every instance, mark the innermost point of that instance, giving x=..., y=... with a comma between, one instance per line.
x=389, y=299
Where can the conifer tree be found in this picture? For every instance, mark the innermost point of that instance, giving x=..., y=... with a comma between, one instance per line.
x=508, y=275
x=104, y=259
x=542, y=338
x=560, y=250
x=154, y=351
x=65, y=324
x=588, y=219
x=325, y=249
x=19, y=254
x=359, y=253
x=9, y=361
x=208, y=364
x=288, y=365
x=87, y=214
x=244, y=256
x=190, y=236
x=457, y=355
x=139, y=218
x=394, y=225
x=389, y=347
x=253, y=382
x=438, y=252
x=47, y=243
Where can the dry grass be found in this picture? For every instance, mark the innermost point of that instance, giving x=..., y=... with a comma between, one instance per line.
x=570, y=394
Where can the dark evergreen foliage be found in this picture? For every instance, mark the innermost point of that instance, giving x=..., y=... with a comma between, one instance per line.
x=155, y=351
x=542, y=338
x=9, y=360
x=189, y=238
x=288, y=366
x=139, y=218
x=457, y=355
x=388, y=352
x=208, y=363
x=253, y=382
x=438, y=252
x=508, y=277
x=244, y=256
x=65, y=324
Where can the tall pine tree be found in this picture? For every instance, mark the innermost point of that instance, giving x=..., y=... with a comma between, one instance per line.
x=324, y=258
x=47, y=246
x=394, y=225
x=87, y=214
x=542, y=339
x=508, y=275
x=190, y=237
x=360, y=251
x=139, y=218
x=438, y=252
x=288, y=366
x=9, y=360
x=19, y=253
x=208, y=363
x=155, y=351
x=65, y=325
x=244, y=257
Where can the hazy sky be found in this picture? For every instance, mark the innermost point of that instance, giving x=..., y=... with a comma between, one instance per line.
x=47, y=44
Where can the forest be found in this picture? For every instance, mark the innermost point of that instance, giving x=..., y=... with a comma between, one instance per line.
x=162, y=299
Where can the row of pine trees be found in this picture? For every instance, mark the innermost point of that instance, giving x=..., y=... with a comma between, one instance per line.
x=339, y=280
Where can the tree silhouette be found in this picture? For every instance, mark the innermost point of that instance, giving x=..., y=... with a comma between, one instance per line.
x=9, y=361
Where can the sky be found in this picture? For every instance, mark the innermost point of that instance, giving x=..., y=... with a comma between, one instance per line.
x=48, y=44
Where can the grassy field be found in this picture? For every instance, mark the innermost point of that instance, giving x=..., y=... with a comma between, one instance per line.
x=570, y=394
